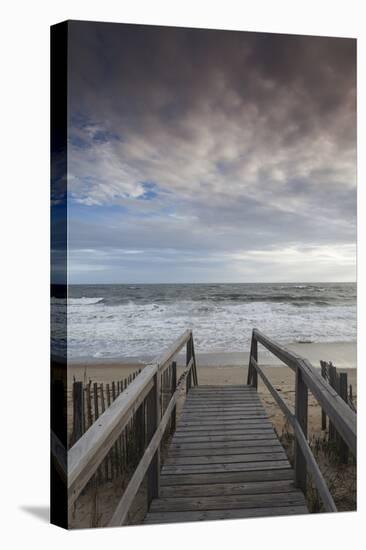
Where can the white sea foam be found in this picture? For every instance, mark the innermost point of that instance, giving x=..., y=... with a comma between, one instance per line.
x=84, y=301
x=130, y=329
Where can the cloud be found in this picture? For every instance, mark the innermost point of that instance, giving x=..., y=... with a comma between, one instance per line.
x=219, y=142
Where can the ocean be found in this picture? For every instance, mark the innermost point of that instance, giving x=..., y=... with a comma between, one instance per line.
x=140, y=321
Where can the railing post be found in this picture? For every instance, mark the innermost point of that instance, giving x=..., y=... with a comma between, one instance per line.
x=333, y=382
x=343, y=384
x=78, y=411
x=188, y=358
x=252, y=379
x=153, y=483
x=194, y=370
x=301, y=412
x=323, y=367
x=174, y=388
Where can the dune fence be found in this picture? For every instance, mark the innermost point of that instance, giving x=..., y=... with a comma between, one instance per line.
x=91, y=399
x=339, y=382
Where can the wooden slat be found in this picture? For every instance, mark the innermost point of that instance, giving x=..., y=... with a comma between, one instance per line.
x=242, y=426
x=200, y=452
x=224, y=459
x=222, y=418
x=231, y=502
x=224, y=435
x=227, y=489
x=176, y=517
x=220, y=468
x=219, y=445
x=88, y=452
x=268, y=435
x=227, y=477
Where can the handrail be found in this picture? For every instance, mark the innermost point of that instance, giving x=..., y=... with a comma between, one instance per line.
x=121, y=513
x=309, y=457
x=343, y=418
x=86, y=455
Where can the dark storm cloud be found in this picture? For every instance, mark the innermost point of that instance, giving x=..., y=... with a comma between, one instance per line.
x=222, y=142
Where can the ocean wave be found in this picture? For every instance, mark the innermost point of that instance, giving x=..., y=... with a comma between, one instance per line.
x=84, y=301
x=134, y=330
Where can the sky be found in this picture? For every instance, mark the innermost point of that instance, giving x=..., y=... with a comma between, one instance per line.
x=210, y=156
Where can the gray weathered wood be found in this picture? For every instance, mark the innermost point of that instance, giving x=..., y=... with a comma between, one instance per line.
x=227, y=477
x=166, y=358
x=343, y=392
x=323, y=369
x=252, y=373
x=222, y=467
x=153, y=482
x=174, y=387
x=88, y=405
x=247, y=447
x=227, y=489
x=121, y=513
x=85, y=456
x=78, y=411
x=301, y=412
x=225, y=459
x=343, y=418
x=209, y=515
x=185, y=504
x=302, y=442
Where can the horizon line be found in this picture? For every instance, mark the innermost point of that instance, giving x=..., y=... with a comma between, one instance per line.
x=214, y=283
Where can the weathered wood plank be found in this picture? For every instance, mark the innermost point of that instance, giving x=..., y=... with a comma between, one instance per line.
x=226, y=477
x=225, y=409
x=225, y=434
x=222, y=445
x=240, y=413
x=220, y=468
x=301, y=412
x=215, y=429
x=227, y=489
x=253, y=436
x=176, y=517
x=204, y=405
x=244, y=449
x=224, y=418
x=224, y=459
x=232, y=502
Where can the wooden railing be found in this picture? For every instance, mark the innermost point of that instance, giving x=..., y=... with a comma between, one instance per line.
x=339, y=381
x=307, y=378
x=85, y=457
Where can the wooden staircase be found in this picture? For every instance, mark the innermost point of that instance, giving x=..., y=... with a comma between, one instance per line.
x=225, y=461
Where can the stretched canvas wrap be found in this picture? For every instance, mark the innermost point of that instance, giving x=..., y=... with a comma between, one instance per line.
x=203, y=298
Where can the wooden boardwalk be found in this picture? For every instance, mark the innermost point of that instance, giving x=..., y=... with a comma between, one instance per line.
x=225, y=461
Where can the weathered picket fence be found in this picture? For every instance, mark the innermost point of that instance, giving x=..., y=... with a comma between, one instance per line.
x=90, y=400
x=339, y=382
